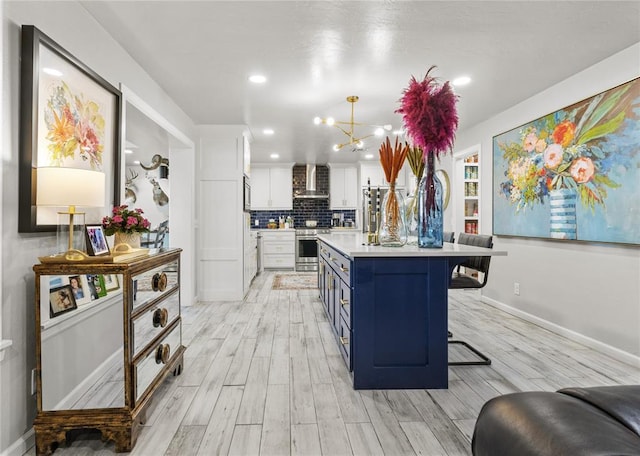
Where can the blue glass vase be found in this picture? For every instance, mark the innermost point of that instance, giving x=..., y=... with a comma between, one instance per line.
x=430, y=224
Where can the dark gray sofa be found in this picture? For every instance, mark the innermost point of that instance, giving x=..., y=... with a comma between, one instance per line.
x=572, y=421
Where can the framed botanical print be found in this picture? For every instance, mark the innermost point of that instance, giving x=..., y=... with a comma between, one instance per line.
x=69, y=118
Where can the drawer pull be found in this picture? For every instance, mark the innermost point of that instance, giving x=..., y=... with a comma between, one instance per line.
x=334, y=259
x=163, y=354
x=344, y=302
x=160, y=318
x=159, y=282
x=344, y=340
x=343, y=269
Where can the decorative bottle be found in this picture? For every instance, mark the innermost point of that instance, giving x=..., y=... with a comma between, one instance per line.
x=430, y=224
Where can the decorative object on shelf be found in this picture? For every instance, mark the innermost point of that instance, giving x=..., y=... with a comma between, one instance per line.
x=430, y=119
x=354, y=142
x=96, y=241
x=69, y=119
x=591, y=149
x=61, y=300
x=415, y=157
x=127, y=225
x=393, y=229
x=157, y=161
x=70, y=187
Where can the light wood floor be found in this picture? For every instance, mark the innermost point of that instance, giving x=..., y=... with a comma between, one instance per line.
x=264, y=377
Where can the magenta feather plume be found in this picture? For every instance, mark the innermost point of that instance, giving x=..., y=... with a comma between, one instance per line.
x=429, y=114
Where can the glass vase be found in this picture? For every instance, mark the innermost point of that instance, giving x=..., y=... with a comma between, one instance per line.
x=411, y=216
x=430, y=224
x=393, y=230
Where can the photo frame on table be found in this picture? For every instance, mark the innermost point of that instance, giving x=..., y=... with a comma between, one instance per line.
x=111, y=282
x=61, y=300
x=96, y=240
x=69, y=118
x=573, y=174
x=79, y=289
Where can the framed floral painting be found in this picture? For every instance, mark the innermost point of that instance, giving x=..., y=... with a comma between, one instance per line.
x=573, y=174
x=69, y=118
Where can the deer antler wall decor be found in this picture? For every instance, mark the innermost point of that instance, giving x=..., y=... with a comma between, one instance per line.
x=130, y=186
x=156, y=162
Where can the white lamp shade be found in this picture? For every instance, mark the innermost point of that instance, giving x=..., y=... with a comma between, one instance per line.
x=70, y=187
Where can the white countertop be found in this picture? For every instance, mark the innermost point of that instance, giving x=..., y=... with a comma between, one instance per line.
x=353, y=245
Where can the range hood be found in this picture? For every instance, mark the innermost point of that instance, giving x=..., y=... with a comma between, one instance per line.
x=310, y=190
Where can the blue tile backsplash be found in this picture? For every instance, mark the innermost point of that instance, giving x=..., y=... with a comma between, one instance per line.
x=303, y=210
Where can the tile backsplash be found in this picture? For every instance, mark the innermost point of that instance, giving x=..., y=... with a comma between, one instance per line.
x=303, y=210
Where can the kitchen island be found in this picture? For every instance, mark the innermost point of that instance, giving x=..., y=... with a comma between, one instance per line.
x=388, y=308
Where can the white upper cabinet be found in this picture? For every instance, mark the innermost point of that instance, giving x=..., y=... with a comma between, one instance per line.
x=374, y=171
x=271, y=187
x=343, y=186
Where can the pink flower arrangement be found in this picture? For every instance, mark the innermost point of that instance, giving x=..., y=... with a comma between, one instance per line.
x=429, y=114
x=124, y=220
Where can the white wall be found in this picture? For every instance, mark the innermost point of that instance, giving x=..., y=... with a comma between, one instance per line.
x=589, y=290
x=69, y=24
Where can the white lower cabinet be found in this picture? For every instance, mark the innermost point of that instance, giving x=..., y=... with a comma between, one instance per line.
x=278, y=249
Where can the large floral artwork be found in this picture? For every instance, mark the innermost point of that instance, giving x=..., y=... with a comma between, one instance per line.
x=69, y=118
x=75, y=127
x=573, y=174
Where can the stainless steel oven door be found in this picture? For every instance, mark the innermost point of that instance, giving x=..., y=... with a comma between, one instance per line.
x=307, y=253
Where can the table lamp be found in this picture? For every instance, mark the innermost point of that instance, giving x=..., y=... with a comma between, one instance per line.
x=70, y=187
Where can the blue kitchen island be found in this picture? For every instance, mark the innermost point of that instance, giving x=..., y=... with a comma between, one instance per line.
x=388, y=308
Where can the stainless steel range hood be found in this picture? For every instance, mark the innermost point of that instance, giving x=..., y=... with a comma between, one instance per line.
x=310, y=190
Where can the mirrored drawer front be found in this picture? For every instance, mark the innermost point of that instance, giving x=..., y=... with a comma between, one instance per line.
x=153, y=321
x=152, y=284
x=148, y=368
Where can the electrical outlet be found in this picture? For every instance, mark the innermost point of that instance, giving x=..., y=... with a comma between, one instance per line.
x=516, y=288
x=257, y=222
x=33, y=382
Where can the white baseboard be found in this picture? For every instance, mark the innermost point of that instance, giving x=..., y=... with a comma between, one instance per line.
x=22, y=445
x=614, y=352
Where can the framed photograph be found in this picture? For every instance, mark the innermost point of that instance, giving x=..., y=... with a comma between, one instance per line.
x=574, y=174
x=61, y=300
x=69, y=118
x=111, y=282
x=96, y=240
x=79, y=289
x=96, y=286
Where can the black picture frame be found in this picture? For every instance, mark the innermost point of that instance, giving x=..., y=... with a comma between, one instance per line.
x=79, y=82
x=61, y=300
x=96, y=240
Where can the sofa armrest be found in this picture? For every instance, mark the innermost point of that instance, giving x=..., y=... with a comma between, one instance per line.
x=549, y=424
x=622, y=402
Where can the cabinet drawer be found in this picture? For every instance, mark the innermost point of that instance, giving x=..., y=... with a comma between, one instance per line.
x=148, y=368
x=340, y=264
x=344, y=337
x=153, y=321
x=279, y=247
x=154, y=283
x=279, y=261
x=345, y=303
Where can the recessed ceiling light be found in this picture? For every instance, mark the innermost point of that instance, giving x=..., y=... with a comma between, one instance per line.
x=462, y=80
x=267, y=131
x=274, y=156
x=379, y=131
x=398, y=132
x=136, y=162
x=52, y=71
x=128, y=151
x=368, y=156
x=258, y=78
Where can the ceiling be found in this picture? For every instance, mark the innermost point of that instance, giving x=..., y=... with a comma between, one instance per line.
x=317, y=53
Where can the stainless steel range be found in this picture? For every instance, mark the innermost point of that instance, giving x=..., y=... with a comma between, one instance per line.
x=307, y=248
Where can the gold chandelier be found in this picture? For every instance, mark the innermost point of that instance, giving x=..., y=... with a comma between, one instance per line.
x=354, y=141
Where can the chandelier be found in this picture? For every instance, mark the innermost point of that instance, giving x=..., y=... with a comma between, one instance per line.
x=348, y=128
